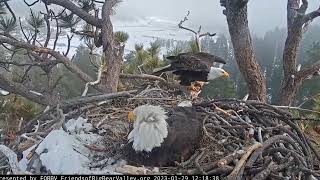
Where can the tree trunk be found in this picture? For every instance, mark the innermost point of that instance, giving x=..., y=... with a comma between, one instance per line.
x=110, y=78
x=236, y=13
x=292, y=79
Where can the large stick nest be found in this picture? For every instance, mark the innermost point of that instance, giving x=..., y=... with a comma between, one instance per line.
x=241, y=138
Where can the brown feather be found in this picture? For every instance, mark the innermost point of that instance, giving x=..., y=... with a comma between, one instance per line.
x=184, y=135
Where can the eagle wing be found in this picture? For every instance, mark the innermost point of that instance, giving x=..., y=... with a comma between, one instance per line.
x=204, y=57
x=199, y=61
x=184, y=62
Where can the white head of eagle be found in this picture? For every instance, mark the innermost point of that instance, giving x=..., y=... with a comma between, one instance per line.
x=216, y=72
x=149, y=128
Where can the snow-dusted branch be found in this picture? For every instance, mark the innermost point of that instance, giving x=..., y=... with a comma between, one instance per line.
x=12, y=159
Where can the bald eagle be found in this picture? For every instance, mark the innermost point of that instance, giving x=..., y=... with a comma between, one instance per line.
x=194, y=69
x=160, y=138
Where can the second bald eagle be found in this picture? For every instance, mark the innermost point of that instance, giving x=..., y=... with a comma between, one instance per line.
x=194, y=70
x=191, y=67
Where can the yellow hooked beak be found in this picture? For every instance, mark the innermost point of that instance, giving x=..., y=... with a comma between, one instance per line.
x=131, y=116
x=225, y=74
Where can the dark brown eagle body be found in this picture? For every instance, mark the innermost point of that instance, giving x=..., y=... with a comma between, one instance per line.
x=190, y=67
x=184, y=135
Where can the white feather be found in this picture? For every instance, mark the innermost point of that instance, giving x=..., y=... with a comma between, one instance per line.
x=149, y=129
x=299, y=67
x=245, y=98
x=3, y=92
x=185, y=104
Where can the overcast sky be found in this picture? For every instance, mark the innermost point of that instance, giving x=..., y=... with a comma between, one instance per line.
x=263, y=14
x=147, y=20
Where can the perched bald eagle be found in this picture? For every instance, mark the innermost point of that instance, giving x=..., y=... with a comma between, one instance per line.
x=160, y=138
x=194, y=69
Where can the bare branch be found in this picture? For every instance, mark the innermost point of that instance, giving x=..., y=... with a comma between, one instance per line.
x=197, y=34
x=95, y=98
x=312, y=15
x=58, y=32
x=69, y=44
x=25, y=74
x=10, y=10
x=31, y=4
x=184, y=20
x=59, y=58
x=46, y=18
x=142, y=76
x=207, y=34
x=24, y=34
x=199, y=30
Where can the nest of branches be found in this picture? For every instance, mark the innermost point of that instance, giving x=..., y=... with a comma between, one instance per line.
x=253, y=140
x=242, y=139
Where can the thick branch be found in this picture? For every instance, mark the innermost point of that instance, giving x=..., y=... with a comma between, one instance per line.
x=310, y=16
x=96, y=98
x=21, y=90
x=76, y=10
x=142, y=76
x=40, y=63
x=234, y=174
